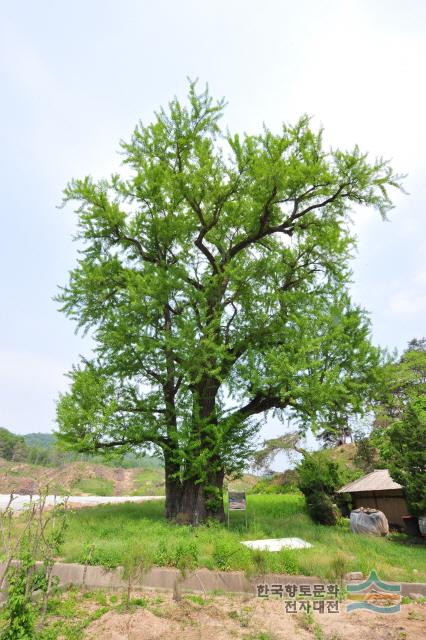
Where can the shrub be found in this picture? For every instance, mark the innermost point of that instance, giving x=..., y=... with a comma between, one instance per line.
x=223, y=553
x=344, y=503
x=42, y=536
x=186, y=555
x=319, y=479
x=164, y=556
x=278, y=483
x=137, y=560
x=318, y=473
x=287, y=561
x=321, y=508
x=19, y=611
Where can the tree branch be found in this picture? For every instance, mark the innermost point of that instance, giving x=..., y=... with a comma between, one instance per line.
x=288, y=225
x=258, y=404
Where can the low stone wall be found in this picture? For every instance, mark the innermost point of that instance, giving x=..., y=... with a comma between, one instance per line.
x=202, y=580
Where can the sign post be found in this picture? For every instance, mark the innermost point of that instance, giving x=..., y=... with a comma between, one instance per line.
x=237, y=502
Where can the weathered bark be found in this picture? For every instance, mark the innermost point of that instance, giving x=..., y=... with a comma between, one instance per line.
x=173, y=489
x=192, y=507
x=171, y=469
x=192, y=502
x=195, y=499
x=215, y=508
x=185, y=501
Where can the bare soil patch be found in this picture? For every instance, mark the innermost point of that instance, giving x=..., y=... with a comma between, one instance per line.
x=124, y=481
x=25, y=478
x=226, y=618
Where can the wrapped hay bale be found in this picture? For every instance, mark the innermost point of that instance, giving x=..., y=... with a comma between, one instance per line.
x=370, y=521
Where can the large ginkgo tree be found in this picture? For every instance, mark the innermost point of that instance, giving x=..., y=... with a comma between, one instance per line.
x=213, y=278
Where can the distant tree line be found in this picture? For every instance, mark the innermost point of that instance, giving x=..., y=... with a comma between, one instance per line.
x=41, y=449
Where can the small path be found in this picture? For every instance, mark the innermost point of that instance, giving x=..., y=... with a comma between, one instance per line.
x=20, y=501
x=124, y=481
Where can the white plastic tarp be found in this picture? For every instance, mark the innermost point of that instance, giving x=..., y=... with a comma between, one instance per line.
x=275, y=544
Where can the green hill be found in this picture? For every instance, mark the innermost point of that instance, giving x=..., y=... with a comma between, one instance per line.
x=46, y=442
x=40, y=440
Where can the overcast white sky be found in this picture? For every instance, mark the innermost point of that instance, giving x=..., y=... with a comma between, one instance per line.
x=75, y=78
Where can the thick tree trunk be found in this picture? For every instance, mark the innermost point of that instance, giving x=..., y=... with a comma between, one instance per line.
x=173, y=493
x=215, y=508
x=192, y=508
x=193, y=502
x=185, y=501
x=196, y=499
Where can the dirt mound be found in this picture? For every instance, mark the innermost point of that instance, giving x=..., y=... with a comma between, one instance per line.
x=233, y=618
x=131, y=626
x=26, y=478
x=79, y=478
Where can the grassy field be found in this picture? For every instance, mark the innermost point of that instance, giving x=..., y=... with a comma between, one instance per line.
x=94, y=486
x=148, y=482
x=112, y=531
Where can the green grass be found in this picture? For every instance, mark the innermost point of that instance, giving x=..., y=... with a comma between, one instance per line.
x=149, y=482
x=113, y=529
x=94, y=486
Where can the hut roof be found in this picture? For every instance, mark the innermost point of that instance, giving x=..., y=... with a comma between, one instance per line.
x=377, y=480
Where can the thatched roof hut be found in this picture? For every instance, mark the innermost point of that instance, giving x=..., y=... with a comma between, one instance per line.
x=377, y=490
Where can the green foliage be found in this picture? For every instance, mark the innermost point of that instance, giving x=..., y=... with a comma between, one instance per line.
x=95, y=486
x=183, y=554
x=186, y=556
x=149, y=482
x=401, y=383
x=318, y=472
x=307, y=622
x=19, y=613
x=339, y=566
x=403, y=447
x=343, y=502
x=263, y=457
x=285, y=482
x=38, y=536
x=266, y=486
x=94, y=554
x=218, y=269
x=321, y=508
x=12, y=447
x=164, y=556
x=400, y=426
x=337, y=431
x=43, y=449
x=367, y=455
x=196, y=599
x=288, y=562
x=44, y=441
x=137, y=561
x=319, y=479
x=223, y=552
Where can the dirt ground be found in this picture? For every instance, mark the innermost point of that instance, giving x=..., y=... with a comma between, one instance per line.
x=23, y=478
x=226, y=618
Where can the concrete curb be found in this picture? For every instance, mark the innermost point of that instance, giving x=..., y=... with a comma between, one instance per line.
x=202, y=580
